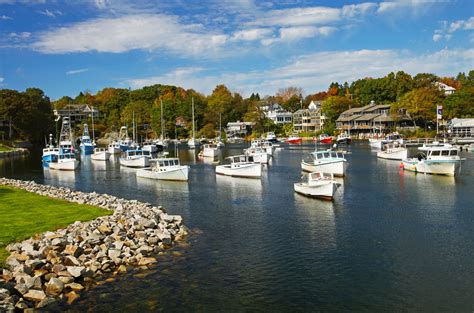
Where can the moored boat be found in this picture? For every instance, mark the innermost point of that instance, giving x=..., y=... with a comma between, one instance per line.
x=135, y=158
x=114, y=147
x=124, y=140
x=66, y=162
x=436, y=158
x=87, y=145
x=240, y=166
x=259, y=154
x=325, y=138
x=294, y=139
x=343, y=138
x=318, y=185
x=393, y=151
x=50, y=152
x=100, y=154
x=209, y=151
x=165, y=169
x=327, y=161
x=271, y=137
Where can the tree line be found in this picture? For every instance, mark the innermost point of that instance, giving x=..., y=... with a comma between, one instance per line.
x=31, y=111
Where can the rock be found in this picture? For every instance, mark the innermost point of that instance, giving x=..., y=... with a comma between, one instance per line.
x=75, y=286
x=54, y=287
x=114, y=253
x=7, y=275
x=45, y=302
x=71, y=261
x=35, y=295
x=66, y=279
x=21, y=288
x=58, y=268
x=104, y=229
x=146, y=261
x=75, y=271
x=4, y=293
x=122, y=269
x=71, y=297
x=73, y=250
x=21, y=304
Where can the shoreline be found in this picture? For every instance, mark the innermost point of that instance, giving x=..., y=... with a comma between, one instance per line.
x=17, y=152
x=57, y=265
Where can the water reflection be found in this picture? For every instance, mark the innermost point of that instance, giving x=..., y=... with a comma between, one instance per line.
x=56, y=177
x=240, y=187
x=162, y=186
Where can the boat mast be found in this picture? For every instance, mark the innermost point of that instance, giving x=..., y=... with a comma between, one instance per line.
x=133, y=124
x=161, y=120
x=93, y=134
x=192, y=104
x=220, y=125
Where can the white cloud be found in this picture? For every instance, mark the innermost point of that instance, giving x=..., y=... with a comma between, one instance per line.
x=51, y=13
x=297, y=33
x=358, y=10
x=252, y=34
x=403, y=5
x=4, y=17
x=448, y=29
x=19, y=36
x=138, y=31
x=72, y=72
x=2, y=80
x=314, y=72
x=298, y=17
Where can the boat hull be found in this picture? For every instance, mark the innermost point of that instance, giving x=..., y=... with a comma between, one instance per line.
x=345, y=141
x=141, y=161
x=430, y=167
x=176, y=174
x=323, y=190
x=294, y=141
x=114, y=150
x=66, y=165
x=337, y=168
x=101, y=156
x=210, y=153
x=248, y=170
x=396, y=155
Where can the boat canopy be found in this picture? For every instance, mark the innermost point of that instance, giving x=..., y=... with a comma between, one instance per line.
x=241, y=159
x=164, y=162
x=327, y=154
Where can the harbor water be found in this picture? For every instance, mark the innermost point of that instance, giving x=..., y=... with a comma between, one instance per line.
x=391, y=241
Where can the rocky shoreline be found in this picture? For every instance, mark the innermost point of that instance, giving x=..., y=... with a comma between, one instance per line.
x=15, y=153
x=58, y=265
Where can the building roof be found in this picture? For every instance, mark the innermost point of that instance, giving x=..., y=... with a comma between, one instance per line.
x=462, y=122
x=347, y=118
x=378, y=107
x=367, y=117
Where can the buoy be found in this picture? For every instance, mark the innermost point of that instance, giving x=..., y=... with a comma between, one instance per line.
x=402, y=166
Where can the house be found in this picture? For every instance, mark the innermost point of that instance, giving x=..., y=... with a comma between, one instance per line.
x=462, y=127
x=372, y=117
x=277, y=114
x=238, y=129
x=180, y=122
x=448, y=90
x=77, y=112
x=310, y=119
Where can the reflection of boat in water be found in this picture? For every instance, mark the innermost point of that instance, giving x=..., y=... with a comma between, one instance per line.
x=60, y=176
x=240, y=186
x=166, y=186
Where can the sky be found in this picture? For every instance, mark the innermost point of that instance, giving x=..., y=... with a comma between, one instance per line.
x=68, y=46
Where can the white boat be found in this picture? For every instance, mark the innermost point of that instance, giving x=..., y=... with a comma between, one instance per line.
x=150, y=147
x=271, y=137
x=209, y=151
x=193, y=143
x=100, y=154
x=318, y=185
x=343, y=138
x=66, y=162
x=87, y=145
x=124, y=140
x=393, y=151
x=264, y=144
x=259, y=154
x=241, y=166
x=436, y=158
x=50, y=153
x=165, y=169
x=326, y=161
x=390, y=138
x=135, y=158
x=114, y=147
x=375, y=143
x=66, y=138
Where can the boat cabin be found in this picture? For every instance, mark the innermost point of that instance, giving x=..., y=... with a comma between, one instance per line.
x=167, y=162
x=133, y=153
x=327, y=155
x=241, y=159
x=66, y=156
x=318, y=176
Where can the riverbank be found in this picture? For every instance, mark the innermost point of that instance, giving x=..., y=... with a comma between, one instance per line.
x=58, y=265
x=7, y=152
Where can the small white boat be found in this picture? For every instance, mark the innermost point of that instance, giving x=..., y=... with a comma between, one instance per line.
x=377, y=143
x=241, y=166
x=135, y=158
x=327, y=161
x=393, y=151
x=165, y=169
x=65, y=162
x=271, y=137
x=209, y=151
x=318, y=185
x=264, y=144
x=114, y=147
x=259, y=154
x=343, y=138
x=100, y=154
x=50, y=153
x=436, y=158
x=150, y=147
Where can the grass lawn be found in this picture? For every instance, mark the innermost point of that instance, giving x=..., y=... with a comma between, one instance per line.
x=23, y=214
x=4, y=148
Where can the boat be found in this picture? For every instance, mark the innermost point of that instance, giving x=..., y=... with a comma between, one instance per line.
x=294, y=139
x=436, y=158
x=393, y=151
x=50, y=153
x=325, y=138
x=271, y=137
x=240, y=166
x=377, y=143
x=66, y=161
x=259, y=154
x=209, y=151
x=165, y=169
x=326, y=161
x=149, y=146
x=124, y=140
x=192, y=143
x=87, y=145
x=318, y=185
x=100, y=154
x=218, y=142
x=264, y=144
x=343, y=138
x=471, y=147
x=135, y=158
x=66, y=138
x=114, y=147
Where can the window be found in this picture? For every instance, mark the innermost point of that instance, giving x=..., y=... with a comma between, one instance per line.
x=435, y=153
x=445, y=152
x=454, y=152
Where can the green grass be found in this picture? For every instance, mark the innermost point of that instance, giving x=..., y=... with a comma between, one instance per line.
x=24, y=214
x=5, y=148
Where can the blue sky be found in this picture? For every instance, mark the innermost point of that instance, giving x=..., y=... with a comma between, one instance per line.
x=68, y=46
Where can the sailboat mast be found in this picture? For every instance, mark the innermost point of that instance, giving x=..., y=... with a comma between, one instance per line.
x=93, y=134
x=220, y=126
x=133, y=124
x=161, y=120
x=192, y=103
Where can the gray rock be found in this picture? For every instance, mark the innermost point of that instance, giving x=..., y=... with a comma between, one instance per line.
x=45, y=302
x=35, y=295
x=75, y=271
x=54, y=287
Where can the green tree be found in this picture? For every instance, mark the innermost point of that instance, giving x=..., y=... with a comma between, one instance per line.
x=459, y=104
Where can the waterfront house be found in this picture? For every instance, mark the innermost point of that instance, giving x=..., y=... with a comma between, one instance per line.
x=372, y=117
x=310, y=119
x=448, y=90
x=462, y=127
x=77, y=112
x=277, y=114
x=238, y=129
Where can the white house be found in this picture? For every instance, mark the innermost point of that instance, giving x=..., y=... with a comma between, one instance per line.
x=448, y=90
x=277, y=114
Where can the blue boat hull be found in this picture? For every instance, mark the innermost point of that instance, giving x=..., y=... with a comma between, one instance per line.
x=46, y=159
x=124, y=148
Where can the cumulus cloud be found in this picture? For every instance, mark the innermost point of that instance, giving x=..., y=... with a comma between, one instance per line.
x=252, y=34
x=138, y=31
x=314, y=72
x=296, y=33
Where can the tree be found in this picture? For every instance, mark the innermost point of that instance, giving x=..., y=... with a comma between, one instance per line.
x=286, y=94
x=459, y=104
